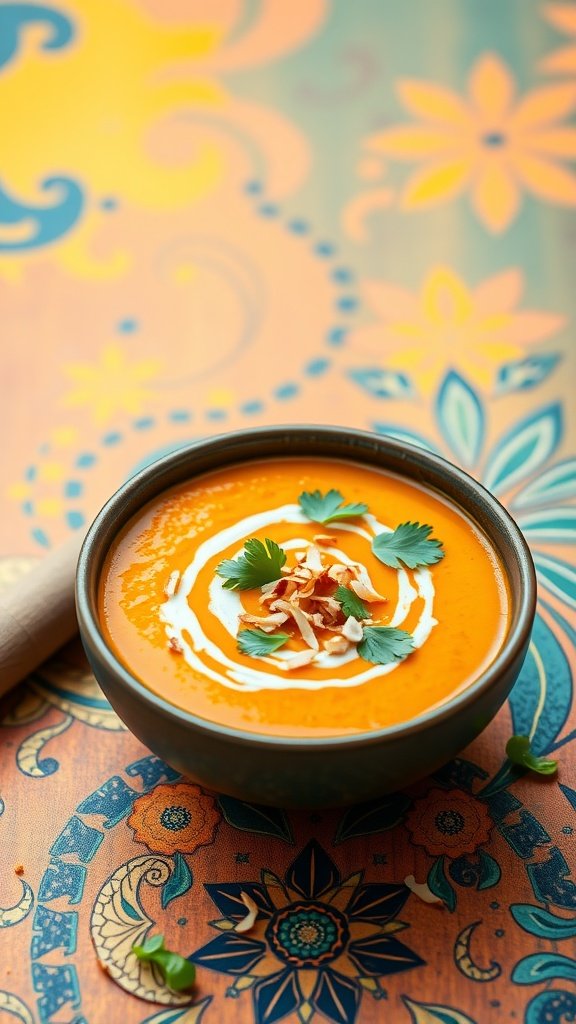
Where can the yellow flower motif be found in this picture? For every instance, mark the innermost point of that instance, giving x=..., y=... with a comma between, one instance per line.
x=448, y=324
x=492, y=144
x=562, y=17
x=111, y=385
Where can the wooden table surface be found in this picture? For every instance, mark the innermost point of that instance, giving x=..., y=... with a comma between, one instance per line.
x=219, y=213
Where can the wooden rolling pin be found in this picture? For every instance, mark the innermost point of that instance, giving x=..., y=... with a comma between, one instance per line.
x=37, y=613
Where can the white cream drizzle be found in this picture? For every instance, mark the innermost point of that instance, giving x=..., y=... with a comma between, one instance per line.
x=226, y=606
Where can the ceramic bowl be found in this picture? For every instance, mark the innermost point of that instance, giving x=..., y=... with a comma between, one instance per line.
x=307, y=772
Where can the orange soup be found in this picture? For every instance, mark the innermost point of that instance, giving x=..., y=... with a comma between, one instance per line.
x=360, y=601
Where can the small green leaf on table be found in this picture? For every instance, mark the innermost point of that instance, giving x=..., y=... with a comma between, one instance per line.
x=178, y=973
x=518, y=751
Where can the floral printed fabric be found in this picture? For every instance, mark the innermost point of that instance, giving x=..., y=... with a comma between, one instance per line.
x=218, y=215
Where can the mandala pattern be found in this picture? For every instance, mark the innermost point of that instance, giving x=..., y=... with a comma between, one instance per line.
x=174, y=819
x=319, y=940
x=449, y=824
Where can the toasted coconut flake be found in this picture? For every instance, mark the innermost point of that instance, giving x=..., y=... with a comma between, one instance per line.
x=313, y=561
x=279, y=588
x=269, y=588
x=170, y=588
x=302, y=574
x=341, y=574
x=316, y=618
x=267, y=623
x=352, y=630
x=306, y=591
x=308, y=634
x=249, y=921
x=422, y=890
x=330, y=604
x=325, y=539
x=363, y=587
x=299, y=660
x=336, y=645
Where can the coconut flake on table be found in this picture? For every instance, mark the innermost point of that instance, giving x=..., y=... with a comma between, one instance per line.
x=249, y=921
x=422, y=890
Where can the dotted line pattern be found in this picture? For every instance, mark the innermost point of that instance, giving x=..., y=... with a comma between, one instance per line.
x=345, y=306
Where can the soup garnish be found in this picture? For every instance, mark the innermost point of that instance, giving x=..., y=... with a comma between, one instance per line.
x=320, y=598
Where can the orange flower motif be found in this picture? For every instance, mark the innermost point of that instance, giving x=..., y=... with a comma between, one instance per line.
x=449, y=823
x=174, y=819
x=492, y=144
x=562, y=17
x=473, y=330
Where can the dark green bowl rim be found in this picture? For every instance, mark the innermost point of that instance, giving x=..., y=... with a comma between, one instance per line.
x=124, y=504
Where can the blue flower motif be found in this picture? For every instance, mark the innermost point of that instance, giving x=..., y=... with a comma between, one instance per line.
x=516, y=469
x=318, y=942
x=519, y=469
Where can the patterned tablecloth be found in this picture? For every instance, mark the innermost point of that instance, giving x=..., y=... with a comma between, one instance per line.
x=219, y=213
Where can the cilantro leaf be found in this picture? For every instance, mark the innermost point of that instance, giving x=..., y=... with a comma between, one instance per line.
x=351, y=603
x=383, y=644
x=177, y=972
x=407, y=545
x=261, y=563
x=256, y=642
x=518, y=751
x=329, y=507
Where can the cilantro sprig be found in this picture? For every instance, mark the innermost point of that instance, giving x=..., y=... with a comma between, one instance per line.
x=351, y=603
x=329, y=507
x=178, y=973
x=258, y=643
x=519, y=752
x=261, y=563
x=384, y=644
x=409, y=544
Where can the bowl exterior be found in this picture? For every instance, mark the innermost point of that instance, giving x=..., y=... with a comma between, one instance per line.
x=296, y=773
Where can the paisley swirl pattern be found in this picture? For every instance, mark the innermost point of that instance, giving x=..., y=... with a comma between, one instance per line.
x=118, y=923
x=15, y=19
x=10, y=916
x=464, y=961
x=29, y=753
x=50, y=221
x=14, y=1006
